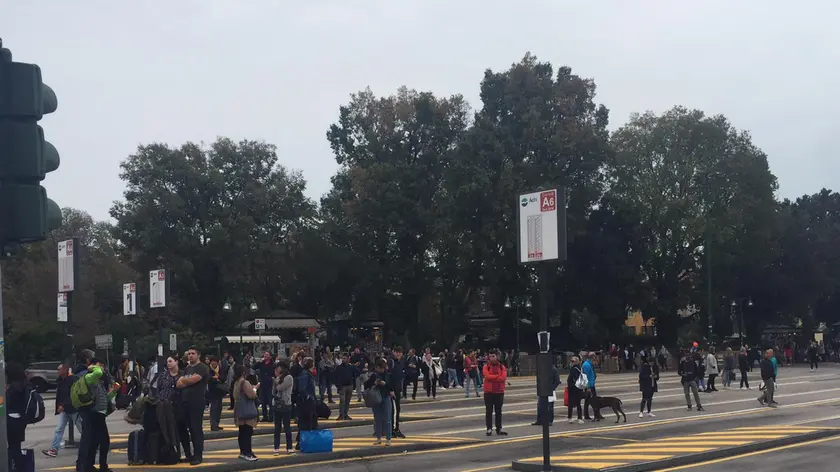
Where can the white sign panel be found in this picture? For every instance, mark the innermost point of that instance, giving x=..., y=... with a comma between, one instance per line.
x=157, y=288
x=173, y=342
x=125, y=349
x=66, y=277
x=104, y=341
x=259, y=324
x=539, y=226
x=129, y=299
x=62, y=307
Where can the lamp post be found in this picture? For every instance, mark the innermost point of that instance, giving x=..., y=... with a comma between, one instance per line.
x=228, y=308
x=739, y=302
x=517, y=304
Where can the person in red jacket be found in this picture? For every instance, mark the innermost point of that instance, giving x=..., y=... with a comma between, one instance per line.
x=495, y=378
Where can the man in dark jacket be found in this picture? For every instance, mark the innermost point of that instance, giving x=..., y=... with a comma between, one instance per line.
x=398, y=366
x=265, y=373
x=344, y=376
x=63, y=409
x=688, y=372
x=543, y=403
x=768, y=376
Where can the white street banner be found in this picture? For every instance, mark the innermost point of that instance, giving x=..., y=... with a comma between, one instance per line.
x=157, y=288
x=538, y=226
x=173, y=342
x=66, y=277
x=129, y=299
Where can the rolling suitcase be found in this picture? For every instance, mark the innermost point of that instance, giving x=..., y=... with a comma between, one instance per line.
x=137, y=447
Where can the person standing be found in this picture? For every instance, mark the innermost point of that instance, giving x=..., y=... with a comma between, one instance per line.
x=648, y=385
x=216, y=389
x=588, y=368
x=63, y=409
x=282, y=392
x=543, y=405
x=575, y=393
x=265, y=375
x=768, y=376
x=381, y=380
x=17, y=396
x=245, y=394
x=412, y=374
x=712, y=370
x=431, y=371
x=744, y=366
x=193, y=384
x=813, y=356
x=728, y=367
x=688, y=377
x=102, y=392
x=397, y=371
x=344, y=377
x=326, y=366
x=307, y=416
x=495, y=379
x=471, y=374
x=360, y=361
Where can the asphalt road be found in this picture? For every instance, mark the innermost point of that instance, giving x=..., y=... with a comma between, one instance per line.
x=453, y=427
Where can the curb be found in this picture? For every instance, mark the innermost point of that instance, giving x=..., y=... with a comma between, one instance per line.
x=231, y=433
x=687, y=459
x=302, y=459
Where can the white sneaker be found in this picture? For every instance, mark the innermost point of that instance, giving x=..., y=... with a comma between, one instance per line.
x=641, y=415
x=651, y=415
x=572, y=421
x=579, y=421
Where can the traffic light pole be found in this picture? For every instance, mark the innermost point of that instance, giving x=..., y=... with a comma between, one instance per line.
x=4, y=451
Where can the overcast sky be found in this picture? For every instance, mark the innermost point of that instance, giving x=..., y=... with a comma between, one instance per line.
x=131, y=72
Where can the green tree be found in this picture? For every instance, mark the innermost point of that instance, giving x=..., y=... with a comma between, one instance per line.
x=689, y=178
x=382, y=209
x=220, y=217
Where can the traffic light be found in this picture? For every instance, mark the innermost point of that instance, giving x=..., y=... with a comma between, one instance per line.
x=26, y=214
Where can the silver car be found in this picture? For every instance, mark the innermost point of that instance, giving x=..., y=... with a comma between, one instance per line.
x=43, y=375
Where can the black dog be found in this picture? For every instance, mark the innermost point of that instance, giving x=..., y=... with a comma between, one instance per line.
x=604, y=402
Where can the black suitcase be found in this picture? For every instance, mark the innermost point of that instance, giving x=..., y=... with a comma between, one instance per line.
x=137, y=447
x=28, y=461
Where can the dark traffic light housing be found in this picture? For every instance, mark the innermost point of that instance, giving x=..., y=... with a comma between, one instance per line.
x=26, y=214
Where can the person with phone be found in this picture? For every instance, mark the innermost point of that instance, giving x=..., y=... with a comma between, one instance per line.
x=193, y=385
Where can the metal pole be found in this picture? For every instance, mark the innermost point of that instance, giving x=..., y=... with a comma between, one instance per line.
x=241, y=341
x=708, y=252
x=4, y=451
x=68, y=342
x=517, y=328
x=741, y=322
x=544, y=297
x=161, y=360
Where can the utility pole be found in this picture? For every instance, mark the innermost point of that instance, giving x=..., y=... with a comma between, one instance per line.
x=541, y=226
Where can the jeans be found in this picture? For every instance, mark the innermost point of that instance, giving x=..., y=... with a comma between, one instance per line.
x=63, y=420
x=727, y=378
x=493, y=403
x=382, y=419
x=215, y=410
x=474, y=381
x=478, y=376
x=345, y=396
x=360, y=384
x=194, y=427
x=692, y=387
x=769, y=391
x=453, y=378
x=96, y=429
x=246, y=435
x=325, y=384
x=283, y=423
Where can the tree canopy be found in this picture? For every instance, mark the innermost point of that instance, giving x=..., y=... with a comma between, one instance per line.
x=673, y=214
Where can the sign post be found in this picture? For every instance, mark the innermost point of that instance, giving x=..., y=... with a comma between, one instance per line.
x=106, y=342
x=541, y=222
x=259, y=325
x=129, y=299
x=158, y=294
x=173, y=342
x=68, y=269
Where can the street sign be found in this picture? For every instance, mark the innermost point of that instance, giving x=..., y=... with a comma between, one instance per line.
x=542, y=226
x=66, y=275
x=125, y=347
x=104, y=341
x=259, y=324
x=62, y=307
x=129, y=299
x=157, y=288
x=173, y=342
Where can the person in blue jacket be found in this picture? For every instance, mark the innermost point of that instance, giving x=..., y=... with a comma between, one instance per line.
x=588, y=368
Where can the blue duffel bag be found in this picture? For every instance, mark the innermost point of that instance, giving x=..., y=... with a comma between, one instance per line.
x=317, y=440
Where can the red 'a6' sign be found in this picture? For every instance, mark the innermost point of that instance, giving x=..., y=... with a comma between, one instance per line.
x=548, y=200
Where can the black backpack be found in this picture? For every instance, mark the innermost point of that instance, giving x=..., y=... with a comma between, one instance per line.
x=35, y=411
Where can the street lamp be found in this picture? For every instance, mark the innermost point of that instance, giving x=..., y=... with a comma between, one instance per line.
x=739, y=302
x=228, y=308
x=518, y=304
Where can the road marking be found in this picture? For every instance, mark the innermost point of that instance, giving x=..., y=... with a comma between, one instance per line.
x=751, y=454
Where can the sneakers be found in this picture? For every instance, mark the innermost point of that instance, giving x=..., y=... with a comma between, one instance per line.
x=651, y=415
x=248, y=457
x=387, y=443
x=490, y=431
x=50, y=452
x=641, y=415
x=277, y=452
x=377, y=442
x=499, y=432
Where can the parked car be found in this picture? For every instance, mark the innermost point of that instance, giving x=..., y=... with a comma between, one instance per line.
x=43, y=375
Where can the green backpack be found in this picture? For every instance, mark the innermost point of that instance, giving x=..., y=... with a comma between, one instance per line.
x=80, y=395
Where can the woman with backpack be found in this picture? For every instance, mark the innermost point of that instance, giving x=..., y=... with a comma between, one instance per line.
x=575, y=393
x=281, y=391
